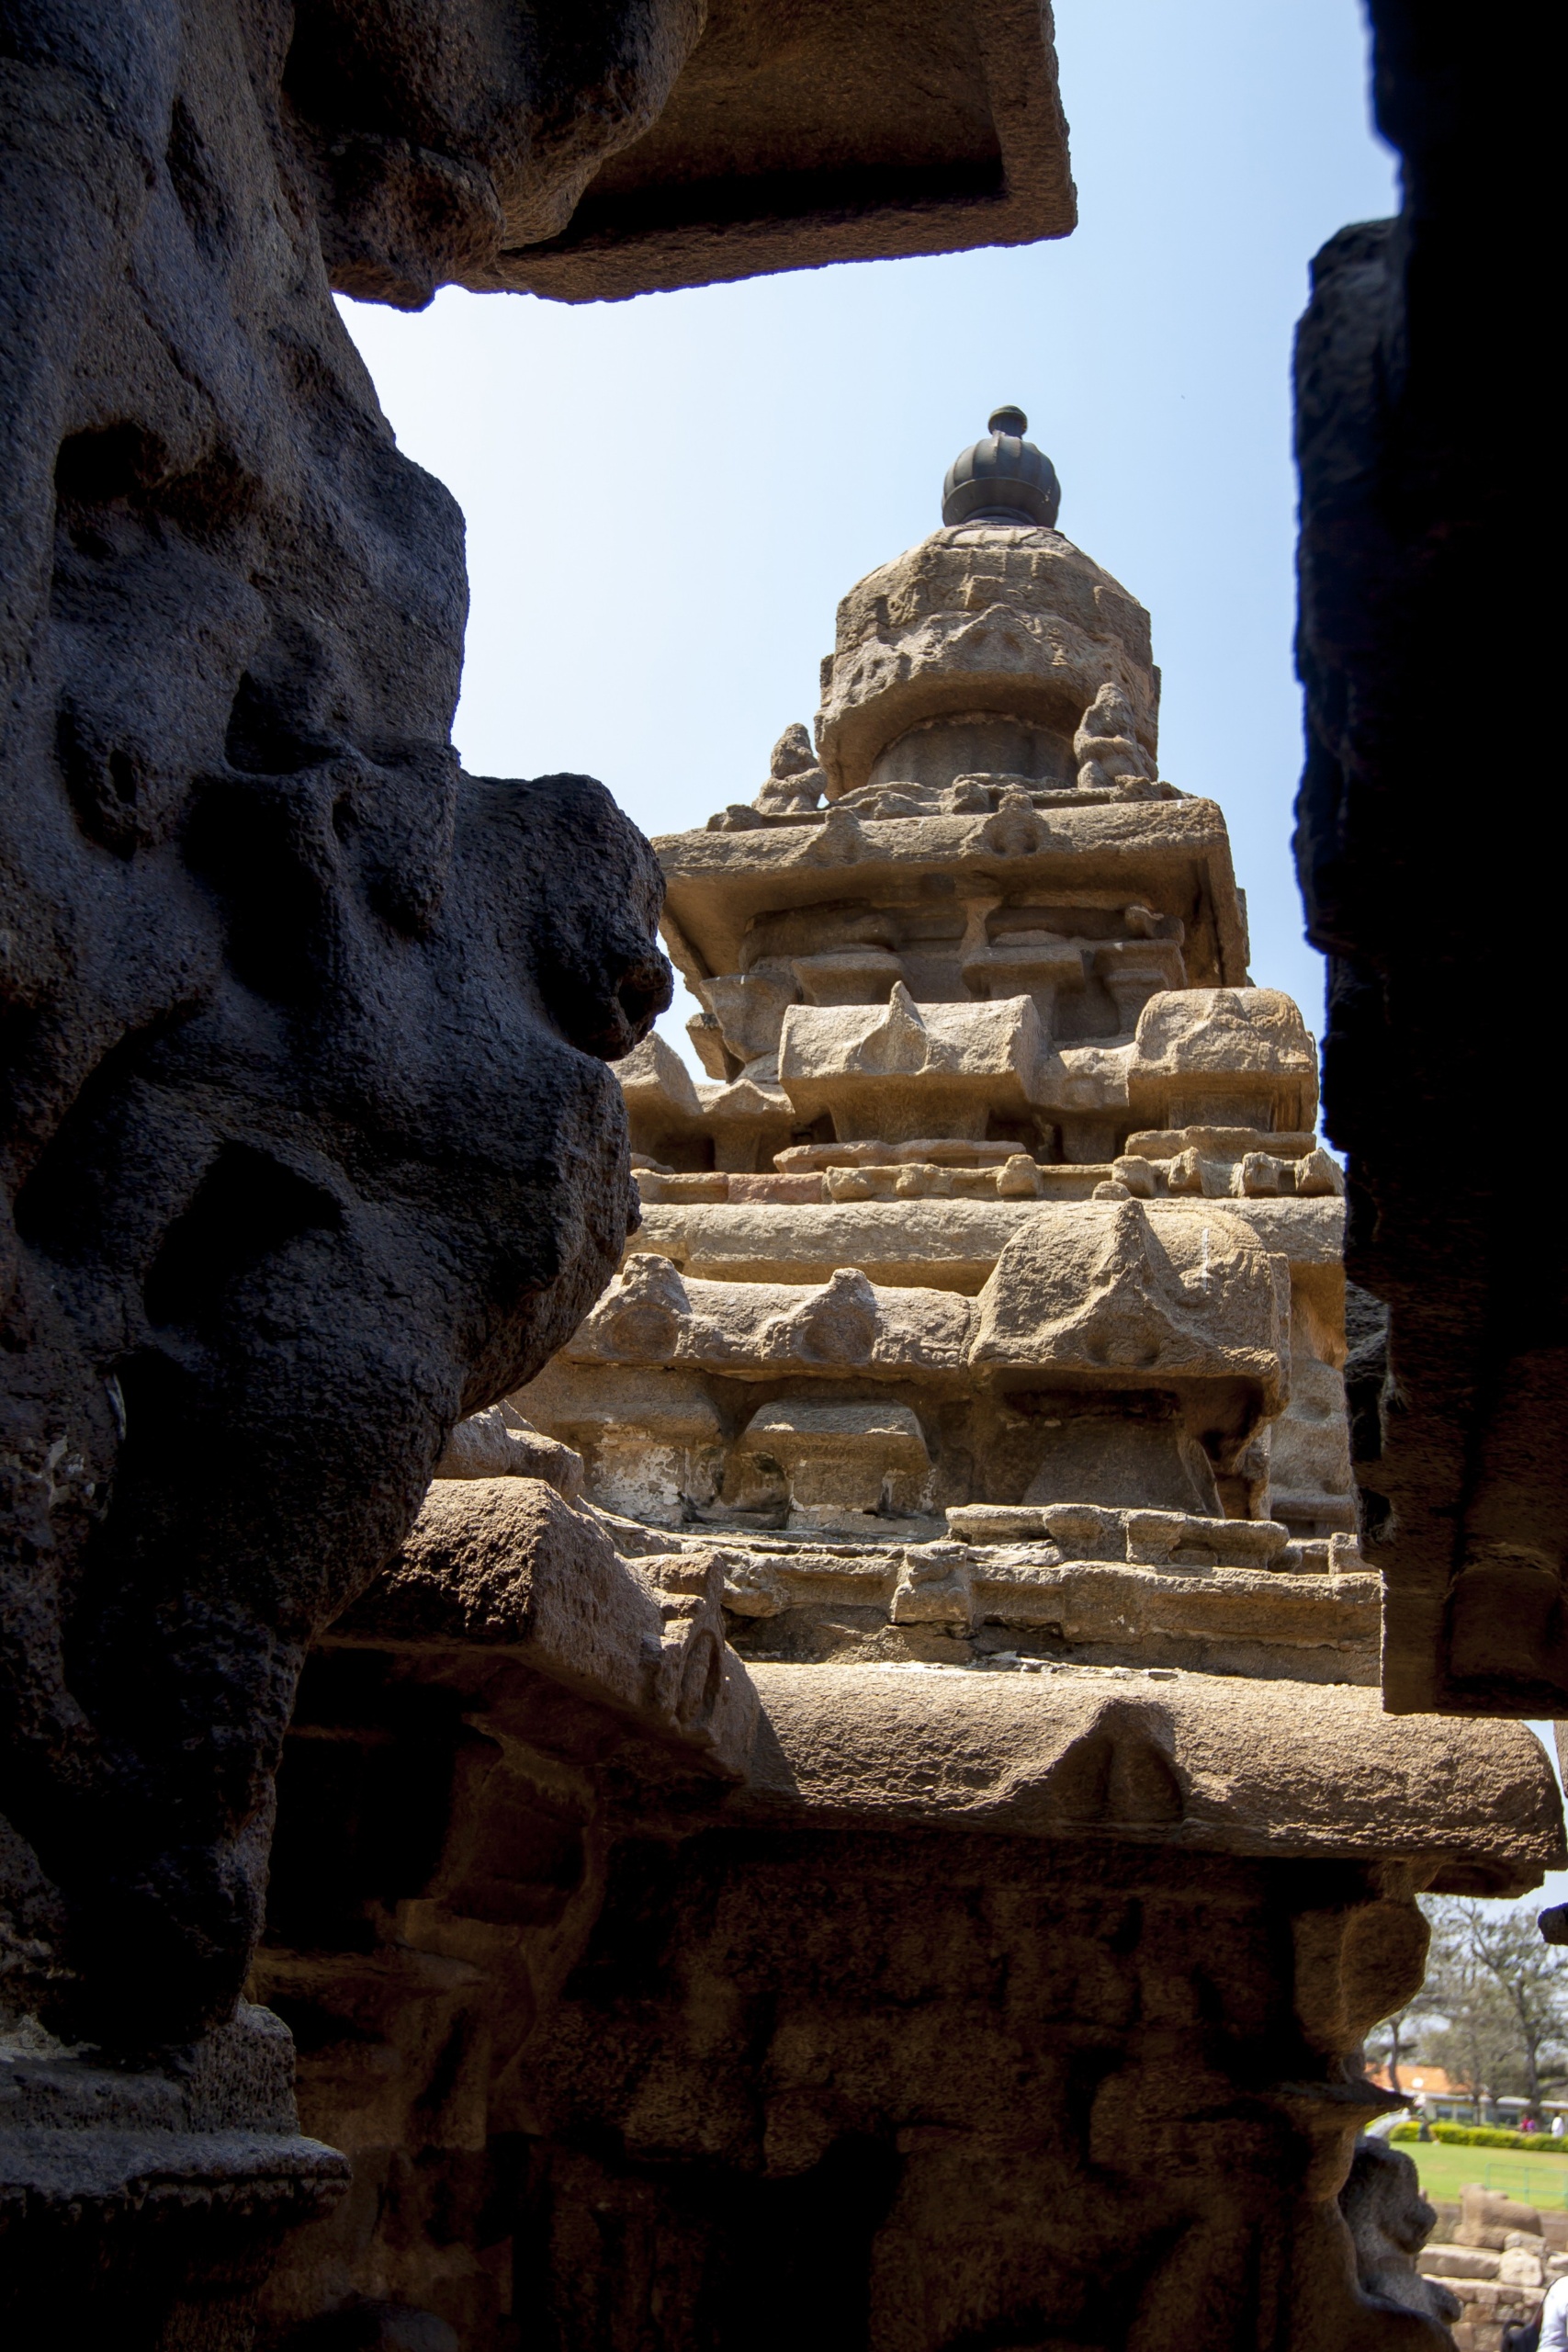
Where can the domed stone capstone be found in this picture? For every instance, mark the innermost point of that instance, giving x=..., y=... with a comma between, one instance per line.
x=1002, y=478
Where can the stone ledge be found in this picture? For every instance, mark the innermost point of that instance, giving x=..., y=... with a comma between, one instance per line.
x=1280, y=1603
x=144, y=2205
x=56, y=2170
x=718, y=881
x=933, y=1245
x=1152, y=1538
x=1091, y=1601
x=1206, y=1762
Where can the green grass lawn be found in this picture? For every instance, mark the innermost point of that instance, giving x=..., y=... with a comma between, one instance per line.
x=1534, y=2180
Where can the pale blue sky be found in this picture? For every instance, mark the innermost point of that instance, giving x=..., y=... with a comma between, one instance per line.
x=666, y=498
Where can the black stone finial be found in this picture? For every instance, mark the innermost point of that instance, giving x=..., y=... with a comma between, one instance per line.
x=1003, y=479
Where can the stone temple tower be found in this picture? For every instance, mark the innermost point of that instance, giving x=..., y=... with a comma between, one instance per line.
x=988, y=1299
x=877, y=1829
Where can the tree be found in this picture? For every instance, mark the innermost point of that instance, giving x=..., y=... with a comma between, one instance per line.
x=1476, y=2042
x=1502, y=1990
x=1393, y=2040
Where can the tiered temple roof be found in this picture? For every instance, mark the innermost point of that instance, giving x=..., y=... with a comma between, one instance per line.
x=988, y=1298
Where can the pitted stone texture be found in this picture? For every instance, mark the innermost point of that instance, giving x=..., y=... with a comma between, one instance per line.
x=650, y=1316
x=818, y=136
x=493, y=142
x=873, y=2052
x=493, y=1997
x=911, y=1069
x=1501, y=2257
x=1309, y=1450
x=1223, y=1079
x=1118, y=1354
x=1403, y=539
x=1116, y=1288
x=1218, y=1616
x=790, y=2009
x=794, y=781
x=1212, y=1055
x=842, y=1466
x=1037, y=1590
x=308, y=1142
x=947, y=1245
x=1171, y=858
x=499, y=1443
x=240, y=2076
x=1245, y=1162
x=1223, y=1309
x=655, y=1080
x=1105, y=746
x=143, y=2206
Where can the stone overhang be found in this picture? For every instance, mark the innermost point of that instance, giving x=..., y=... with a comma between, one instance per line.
x=792, y=140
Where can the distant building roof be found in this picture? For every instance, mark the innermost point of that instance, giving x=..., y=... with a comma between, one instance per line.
x=1432, y=2080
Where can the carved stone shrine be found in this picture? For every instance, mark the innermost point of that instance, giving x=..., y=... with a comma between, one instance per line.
x=990, y=1289
x=862, y=1813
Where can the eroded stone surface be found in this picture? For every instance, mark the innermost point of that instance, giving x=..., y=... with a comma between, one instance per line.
x=144, y=2206
x=1015, y=625
x=499, y=1443
x=1390, y=2223
x=507, y=1564
x=816, y=136
x=1224, y=1764
x=1496, y=2264
x=306, y=1137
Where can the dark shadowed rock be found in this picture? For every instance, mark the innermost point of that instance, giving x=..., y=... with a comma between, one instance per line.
x=362, y=2326
x=306, y=1130
x=1418, y=439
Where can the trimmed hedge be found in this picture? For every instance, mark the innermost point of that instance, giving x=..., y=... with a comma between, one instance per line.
x=1483, y=2135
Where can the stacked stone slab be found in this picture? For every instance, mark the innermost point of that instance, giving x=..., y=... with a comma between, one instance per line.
x=989, y=1291
x=1497, y=2258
